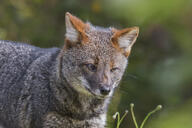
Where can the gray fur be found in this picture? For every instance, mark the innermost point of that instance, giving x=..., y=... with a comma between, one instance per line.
x=52, y=88
x=25, y=94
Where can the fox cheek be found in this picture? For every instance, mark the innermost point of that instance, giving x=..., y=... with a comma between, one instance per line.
x=90, y=77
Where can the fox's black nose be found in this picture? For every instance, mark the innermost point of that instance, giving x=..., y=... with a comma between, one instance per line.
x=104, y=90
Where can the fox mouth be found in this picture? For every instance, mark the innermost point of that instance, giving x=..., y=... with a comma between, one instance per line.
x=86, y=87
x=99, y=96
x=95, y=93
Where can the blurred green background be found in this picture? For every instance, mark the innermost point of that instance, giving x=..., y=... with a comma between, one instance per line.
x=160, y=68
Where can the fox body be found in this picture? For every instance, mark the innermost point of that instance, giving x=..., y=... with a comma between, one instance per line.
x=63, y=88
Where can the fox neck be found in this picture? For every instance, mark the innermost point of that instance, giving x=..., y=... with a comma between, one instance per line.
x=78, y=105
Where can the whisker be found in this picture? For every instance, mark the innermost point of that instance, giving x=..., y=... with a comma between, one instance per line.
x=132, y=76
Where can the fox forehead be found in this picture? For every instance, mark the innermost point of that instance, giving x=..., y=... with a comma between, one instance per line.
x=99, y=40
x=99, y=35
x=98, y=53
x=99, y=46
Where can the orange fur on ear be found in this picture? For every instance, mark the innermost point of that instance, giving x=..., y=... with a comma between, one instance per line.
x=79, y=26
x=123, y=40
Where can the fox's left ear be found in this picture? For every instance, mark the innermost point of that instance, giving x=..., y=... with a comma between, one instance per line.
x=124, y=39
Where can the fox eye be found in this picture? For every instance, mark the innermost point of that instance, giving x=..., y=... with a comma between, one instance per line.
x=91, y=67
x=114, y=69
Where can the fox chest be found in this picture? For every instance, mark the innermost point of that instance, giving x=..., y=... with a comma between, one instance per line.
x=53, y=120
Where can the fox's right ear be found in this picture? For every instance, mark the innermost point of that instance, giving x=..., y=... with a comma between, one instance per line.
x=75, y=30
x=124, y=39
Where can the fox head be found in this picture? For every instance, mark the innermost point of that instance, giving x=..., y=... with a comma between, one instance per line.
x=94, y=58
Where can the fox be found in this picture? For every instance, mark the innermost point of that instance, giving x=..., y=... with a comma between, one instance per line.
x=68, y=87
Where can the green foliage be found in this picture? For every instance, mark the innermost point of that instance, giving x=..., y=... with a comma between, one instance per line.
x=120, y=119
x=177, y=117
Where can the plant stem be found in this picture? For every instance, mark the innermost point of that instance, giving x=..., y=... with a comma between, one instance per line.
x=133, y=115
x=149, y=114
x=118, y=119
x=126, y=112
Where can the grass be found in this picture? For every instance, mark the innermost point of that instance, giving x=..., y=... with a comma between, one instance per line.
x=120, y=119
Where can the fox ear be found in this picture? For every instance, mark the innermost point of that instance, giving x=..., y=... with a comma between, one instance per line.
x=124, y=39
x=75, y=29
